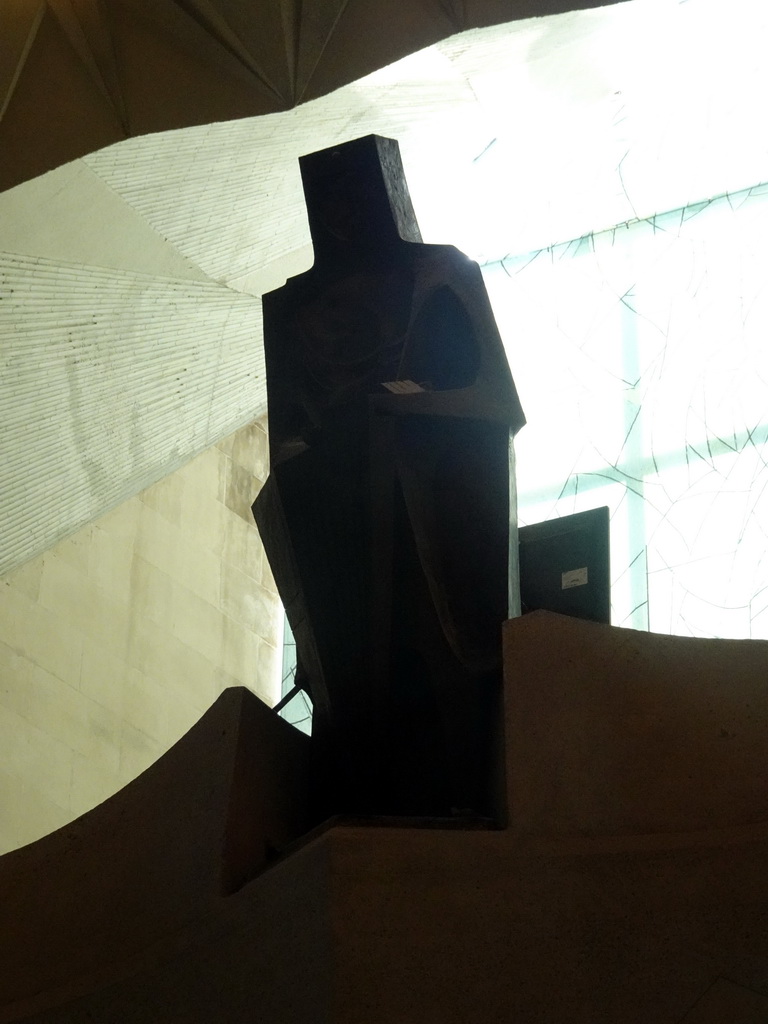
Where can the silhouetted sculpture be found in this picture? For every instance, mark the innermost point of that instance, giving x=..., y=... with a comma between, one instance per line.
x=387, y=517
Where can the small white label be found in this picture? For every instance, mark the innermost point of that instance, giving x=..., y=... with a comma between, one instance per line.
x=402, y=387
x=575, y=578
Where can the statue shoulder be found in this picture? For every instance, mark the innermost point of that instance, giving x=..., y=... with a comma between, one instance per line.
x=447, y=255
x=440, y=265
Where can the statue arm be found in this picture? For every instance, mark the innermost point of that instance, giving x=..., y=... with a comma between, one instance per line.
x=452, y=350
x=461, y=403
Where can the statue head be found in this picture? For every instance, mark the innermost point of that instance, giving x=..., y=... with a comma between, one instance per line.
x=357, y=199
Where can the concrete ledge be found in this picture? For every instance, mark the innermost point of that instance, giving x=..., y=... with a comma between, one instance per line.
x=616, y=731
x=421, y=926
x=84, y=905
x=630, y=886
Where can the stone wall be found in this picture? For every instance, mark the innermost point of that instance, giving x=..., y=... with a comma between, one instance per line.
x=114, y=642
x=112, y=379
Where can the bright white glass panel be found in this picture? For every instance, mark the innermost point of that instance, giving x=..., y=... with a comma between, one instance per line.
x=641, y=361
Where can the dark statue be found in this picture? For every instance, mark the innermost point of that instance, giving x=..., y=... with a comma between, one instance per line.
x=388, y=517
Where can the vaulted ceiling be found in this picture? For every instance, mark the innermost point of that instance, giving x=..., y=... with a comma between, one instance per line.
x=130, y=335
x=130, y=319
x=77, y=75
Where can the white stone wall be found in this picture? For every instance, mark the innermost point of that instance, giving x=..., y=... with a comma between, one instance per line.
x=116, y=640
x=109, y=380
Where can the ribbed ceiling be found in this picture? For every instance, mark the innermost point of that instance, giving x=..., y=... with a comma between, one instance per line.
x=129, y=312
x=77, y=75
x=128, y=344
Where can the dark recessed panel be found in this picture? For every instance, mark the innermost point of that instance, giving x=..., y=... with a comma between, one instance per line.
x=565, y=566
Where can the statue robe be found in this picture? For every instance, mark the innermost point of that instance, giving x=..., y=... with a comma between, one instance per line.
x=389, y=518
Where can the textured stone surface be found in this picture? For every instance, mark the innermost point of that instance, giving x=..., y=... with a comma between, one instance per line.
x=616, y=731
